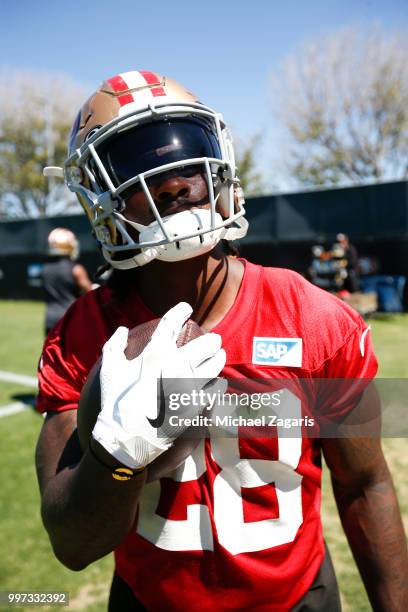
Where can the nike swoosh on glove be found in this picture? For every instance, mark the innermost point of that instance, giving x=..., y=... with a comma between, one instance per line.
x=129, y=388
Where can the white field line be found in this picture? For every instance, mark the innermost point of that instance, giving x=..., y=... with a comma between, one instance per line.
x=13, y=409
x=21, y=379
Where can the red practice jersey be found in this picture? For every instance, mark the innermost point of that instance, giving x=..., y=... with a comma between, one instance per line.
x=236, y=526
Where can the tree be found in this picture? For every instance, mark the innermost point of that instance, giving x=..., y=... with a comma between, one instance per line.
x=251, y=180
x=345, y=106
x=36, y=113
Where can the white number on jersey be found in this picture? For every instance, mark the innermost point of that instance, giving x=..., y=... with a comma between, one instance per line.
x=234, y=534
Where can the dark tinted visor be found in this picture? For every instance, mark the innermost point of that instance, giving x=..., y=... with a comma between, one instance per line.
x=154, y=144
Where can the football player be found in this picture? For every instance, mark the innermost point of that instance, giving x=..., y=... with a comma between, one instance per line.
x=63, y=279
x=235, y=523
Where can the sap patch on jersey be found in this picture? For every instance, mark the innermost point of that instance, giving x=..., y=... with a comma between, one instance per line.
x=277, y=351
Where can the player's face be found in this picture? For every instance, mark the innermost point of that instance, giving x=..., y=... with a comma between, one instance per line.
x=172, y=192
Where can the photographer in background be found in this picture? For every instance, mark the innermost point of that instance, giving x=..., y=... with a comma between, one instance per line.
x=352, y=282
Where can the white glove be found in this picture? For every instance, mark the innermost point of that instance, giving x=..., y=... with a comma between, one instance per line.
x=129, y=387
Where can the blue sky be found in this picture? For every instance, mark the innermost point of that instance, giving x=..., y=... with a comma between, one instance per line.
x=225, y=51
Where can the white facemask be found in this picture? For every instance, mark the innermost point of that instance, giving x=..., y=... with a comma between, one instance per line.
x=180, y=224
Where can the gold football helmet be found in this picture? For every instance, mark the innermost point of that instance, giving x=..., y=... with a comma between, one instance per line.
x=135, y=127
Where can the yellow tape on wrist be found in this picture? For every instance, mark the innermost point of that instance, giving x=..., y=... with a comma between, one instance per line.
x=123, y=473
x=119, y=473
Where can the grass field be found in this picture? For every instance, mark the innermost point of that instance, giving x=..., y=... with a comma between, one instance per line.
x=27, y=562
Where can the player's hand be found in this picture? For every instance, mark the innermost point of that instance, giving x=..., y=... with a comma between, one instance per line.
x=129, y=425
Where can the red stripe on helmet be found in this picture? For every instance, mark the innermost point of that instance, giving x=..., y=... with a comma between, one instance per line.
x=152, y=79
x=118, y=84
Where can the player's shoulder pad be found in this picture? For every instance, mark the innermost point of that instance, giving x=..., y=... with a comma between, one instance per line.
x=322, y=320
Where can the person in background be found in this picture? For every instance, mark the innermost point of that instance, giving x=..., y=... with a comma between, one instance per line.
x=63, y=279
x=352, y=282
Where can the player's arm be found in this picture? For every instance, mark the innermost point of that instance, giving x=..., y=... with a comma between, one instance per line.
x=369, y=511
x=86, y=512
x=81, y=278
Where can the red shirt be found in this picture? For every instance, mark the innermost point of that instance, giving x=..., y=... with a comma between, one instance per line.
x=237, y=525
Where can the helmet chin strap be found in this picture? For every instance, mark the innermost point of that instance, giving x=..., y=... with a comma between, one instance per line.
x=179, y=224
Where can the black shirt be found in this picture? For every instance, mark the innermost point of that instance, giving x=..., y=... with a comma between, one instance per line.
x=59, y=287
